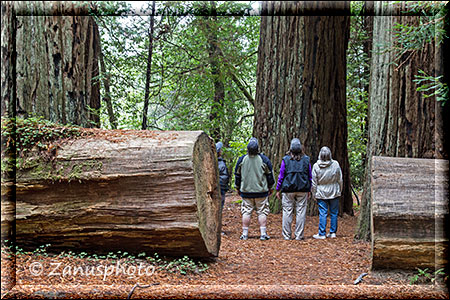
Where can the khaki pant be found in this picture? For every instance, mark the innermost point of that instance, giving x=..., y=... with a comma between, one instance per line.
x=261, y=205
x=289, y=200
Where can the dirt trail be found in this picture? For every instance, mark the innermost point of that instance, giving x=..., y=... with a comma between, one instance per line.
x=277, y=261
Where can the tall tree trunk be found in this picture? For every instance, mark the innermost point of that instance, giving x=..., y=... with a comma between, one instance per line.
x=7, y=63
x=214, y=52
x=401, y=120
x=8, y=153
x=300, y=89
x=107, y=97
x=149, y=66
x=56, y=61
x=367, y=48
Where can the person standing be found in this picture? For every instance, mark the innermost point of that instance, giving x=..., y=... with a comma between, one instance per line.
x=254, y=181
x=327, y=188
x=294, y=182
x=223, y=172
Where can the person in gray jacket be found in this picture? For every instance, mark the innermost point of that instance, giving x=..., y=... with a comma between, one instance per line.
x=254, y=182
x=327, y=188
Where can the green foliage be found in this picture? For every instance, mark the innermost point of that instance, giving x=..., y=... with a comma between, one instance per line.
x=35, y=141
x=429, y=28
x=35, y=133
x=357, y=8
x=410, y=38
x=434, y=86
x=26, y=134
x=426, y=276
x=183, y=265
x=231, y=155
x=182, y=82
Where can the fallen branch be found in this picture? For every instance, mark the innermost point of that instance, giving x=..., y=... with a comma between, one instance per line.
x=140, y=286
x=359, y=279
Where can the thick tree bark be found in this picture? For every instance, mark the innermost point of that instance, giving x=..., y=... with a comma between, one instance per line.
x=134, y=191
x=149, y=67
x=56, y=61
x=409, y=208
x=8, y=34
x=368, y=27
x=300, y=90
x=402, y=121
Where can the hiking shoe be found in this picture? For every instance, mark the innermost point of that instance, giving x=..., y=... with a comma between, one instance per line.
x=319, y=237
x=264, y=237
x=244, y=237
x=331, y=235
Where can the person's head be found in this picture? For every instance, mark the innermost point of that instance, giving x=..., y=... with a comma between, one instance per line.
x=325, y=154
x=219, y=146
x=296, y=149
x=252, y=146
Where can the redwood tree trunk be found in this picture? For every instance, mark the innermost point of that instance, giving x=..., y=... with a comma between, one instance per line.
x=57, y=58
x=367, y=48
x=402, y=121
x=8, y=35
x=134, y=191
x=300, y=90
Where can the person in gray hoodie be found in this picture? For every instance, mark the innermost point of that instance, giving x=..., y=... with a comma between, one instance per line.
x=327, y=188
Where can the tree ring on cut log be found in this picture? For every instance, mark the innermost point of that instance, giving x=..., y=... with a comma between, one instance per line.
x=207, y=192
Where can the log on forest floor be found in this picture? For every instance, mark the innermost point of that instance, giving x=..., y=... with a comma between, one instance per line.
x=409, y=213
x=133, y=191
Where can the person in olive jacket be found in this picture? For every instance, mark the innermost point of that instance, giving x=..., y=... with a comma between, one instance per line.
x=294, y=182
x=254, y=181
x=327, y=188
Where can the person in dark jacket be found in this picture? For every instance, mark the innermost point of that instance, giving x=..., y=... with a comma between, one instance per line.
x=294, y=182
x=254, y=182
x=223, y=172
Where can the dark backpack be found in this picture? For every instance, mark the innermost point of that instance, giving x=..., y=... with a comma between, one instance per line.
x=296, y=177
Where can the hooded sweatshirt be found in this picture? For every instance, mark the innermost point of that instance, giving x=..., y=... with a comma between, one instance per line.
x=326, y=179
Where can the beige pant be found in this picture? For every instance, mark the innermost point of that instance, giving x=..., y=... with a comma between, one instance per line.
x=261, y=205
x=289, y=200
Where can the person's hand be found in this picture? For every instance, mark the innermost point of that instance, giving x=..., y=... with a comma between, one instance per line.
x=270, y=192
x=278, y=195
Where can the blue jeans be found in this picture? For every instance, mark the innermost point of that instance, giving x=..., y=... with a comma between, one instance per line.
x=323, y=212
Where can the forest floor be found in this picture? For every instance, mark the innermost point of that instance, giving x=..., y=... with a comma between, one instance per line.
x=275, y=268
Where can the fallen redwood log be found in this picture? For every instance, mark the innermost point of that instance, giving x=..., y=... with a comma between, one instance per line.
x=133, y=191
x=409, y=213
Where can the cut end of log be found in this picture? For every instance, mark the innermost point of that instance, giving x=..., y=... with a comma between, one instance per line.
x=207, y=192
